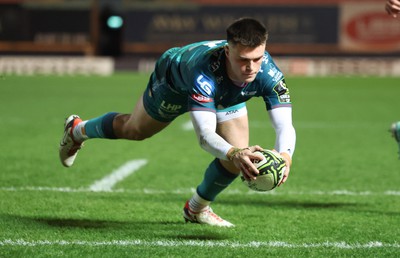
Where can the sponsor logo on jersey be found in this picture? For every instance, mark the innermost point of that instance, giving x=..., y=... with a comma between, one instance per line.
x=281, y=88
x=248, y=93
x=271, y=72
x=215, y=66
x=201, y=98
x=231, y=112
x=205, y=84
x=156, y=85
x=275, y=74
x=278, y=76
x=265, y=59
x=174, y=108
x=283, y=92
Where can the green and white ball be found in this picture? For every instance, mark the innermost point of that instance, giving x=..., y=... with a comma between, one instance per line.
x=271, y=168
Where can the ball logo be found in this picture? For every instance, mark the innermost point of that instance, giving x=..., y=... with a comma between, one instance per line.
x=271, y=169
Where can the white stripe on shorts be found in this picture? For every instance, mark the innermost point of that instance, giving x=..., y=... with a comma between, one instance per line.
x=223, y=116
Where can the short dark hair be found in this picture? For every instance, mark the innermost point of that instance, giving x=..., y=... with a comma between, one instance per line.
x=247, y=32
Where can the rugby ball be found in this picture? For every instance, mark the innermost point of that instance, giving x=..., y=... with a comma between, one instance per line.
x=271, y=169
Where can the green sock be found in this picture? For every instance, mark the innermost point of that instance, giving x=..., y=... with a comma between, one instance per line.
x=216, y=179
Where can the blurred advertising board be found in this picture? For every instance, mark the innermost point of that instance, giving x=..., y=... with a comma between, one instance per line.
x=293, y=24
x=296, y=27
x=277, y=2
x=45, y=24
x=366, y=27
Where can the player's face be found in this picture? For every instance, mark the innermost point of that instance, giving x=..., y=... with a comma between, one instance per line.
x=243, y=63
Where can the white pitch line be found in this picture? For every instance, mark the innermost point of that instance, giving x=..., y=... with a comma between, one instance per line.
x=150, y=191
x=108, y=182
x=191, y=243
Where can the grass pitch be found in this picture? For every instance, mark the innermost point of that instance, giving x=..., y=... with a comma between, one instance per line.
x=342, y=198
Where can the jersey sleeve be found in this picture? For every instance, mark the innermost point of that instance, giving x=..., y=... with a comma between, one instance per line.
x=276, y=92
x=279, y=96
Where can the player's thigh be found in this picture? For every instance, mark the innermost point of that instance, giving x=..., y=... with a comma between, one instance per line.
x=233, y=126
x=157, y=108
x=142, y=124
x=235, y=131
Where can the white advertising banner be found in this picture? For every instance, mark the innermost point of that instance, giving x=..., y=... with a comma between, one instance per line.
x=56, y=65
x=367, y=27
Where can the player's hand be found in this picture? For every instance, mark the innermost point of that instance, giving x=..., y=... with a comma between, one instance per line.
x=392, y=7
x=243, y=160
x=288, y=162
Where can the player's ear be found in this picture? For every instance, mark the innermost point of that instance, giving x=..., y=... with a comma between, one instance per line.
x=226, y=47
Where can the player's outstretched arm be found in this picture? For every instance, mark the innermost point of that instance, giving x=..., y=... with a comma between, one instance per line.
x=281, y=119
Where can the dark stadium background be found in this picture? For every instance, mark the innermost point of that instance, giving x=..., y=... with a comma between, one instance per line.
x=298, y=28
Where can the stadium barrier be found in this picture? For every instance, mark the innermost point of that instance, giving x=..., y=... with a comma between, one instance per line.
x=340, y=66
x=291, y=66
x=27, y=65
x=321, y=66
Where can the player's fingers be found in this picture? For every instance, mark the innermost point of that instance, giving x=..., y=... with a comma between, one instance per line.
x=248, y=170
x=389, y=10
x=392, y=8
x=283, y=180
x=256, y=148
x=245, y=176
x=247, y=162
x=255, y=156
x=285, y=176
x=395, y=3
x=253, y=170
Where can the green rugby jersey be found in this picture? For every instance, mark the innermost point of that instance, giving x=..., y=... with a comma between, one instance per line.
x=198, y=71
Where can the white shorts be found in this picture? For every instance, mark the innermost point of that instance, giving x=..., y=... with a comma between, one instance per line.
x=231, y=112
